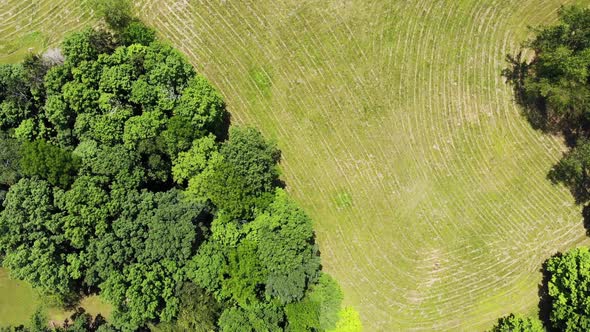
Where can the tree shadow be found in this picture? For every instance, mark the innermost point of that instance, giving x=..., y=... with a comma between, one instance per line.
x=532, y=109
x=586, y=216
x=544, y=299
x=222, y=130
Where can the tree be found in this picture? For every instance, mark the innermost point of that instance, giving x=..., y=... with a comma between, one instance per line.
x=143, y=292
x=568, y=290
x=260, y=317
x=198, y=311
x=518, y=323
x=194, y=161
x=201, y=106
x=137, y=32
x=350, y=321
x=15, y=95
x=49, y=162
x=243, y=178
x=116, y=13
x=87, y=45
x=286, y=249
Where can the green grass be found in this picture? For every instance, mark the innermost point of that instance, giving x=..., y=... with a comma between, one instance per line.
x=18, y=301
x=399, y=138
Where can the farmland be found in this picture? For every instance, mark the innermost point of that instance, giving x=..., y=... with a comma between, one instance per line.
x=399, y=138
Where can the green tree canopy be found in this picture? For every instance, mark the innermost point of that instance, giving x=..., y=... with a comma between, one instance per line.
x=569, y=291
x=518, y=323
x=118, y=180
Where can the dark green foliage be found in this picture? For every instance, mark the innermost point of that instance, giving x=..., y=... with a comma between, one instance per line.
x=116, y=13
x=569, y=291
x=260, y=317
x=49, y=162
x=137, y=32
x=518, y=323
x=266, y=263
x=199, y=311
x=9, y=161
x=554, y=85
x=87, y=45
x=39, y=321
x=119, y=182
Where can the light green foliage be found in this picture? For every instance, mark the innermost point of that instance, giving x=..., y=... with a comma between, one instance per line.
x=117, y=80
x=192, y=162
x=80, y=97
x=349, y=321
x=108, y=128
x=143, y=127
x=569, y=291
x=26, y=131
x=201, y=106
x=518, y=323
x=168, y=71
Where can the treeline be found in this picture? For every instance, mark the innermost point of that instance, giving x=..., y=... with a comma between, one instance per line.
x=554, y=89
x=119, y=176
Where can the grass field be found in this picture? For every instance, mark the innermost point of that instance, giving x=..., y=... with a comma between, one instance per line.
x=18, y=301
x=399, y=137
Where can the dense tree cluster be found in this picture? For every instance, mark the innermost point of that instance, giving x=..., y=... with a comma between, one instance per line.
x=117, y=178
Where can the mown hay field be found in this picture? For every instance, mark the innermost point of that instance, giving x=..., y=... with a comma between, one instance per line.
x=399, y=137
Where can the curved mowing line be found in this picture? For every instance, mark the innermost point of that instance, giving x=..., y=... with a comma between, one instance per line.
x=400, y=108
